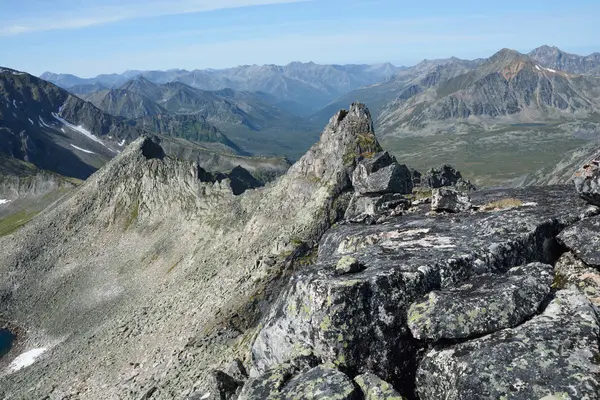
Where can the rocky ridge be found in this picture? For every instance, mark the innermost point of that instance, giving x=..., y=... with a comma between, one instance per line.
x=309, y=303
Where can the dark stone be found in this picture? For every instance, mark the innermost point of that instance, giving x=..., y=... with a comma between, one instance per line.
x=242, y=180
x=151, y=148
x=223, y=386
x=484, y=304
x=583, y=239
x=553, y=354
x=445, y=175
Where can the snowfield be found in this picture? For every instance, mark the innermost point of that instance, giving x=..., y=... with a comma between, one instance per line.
x=26, y=359
x=84, y=150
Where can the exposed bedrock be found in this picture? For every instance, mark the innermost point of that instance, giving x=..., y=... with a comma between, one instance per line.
x=359, y=320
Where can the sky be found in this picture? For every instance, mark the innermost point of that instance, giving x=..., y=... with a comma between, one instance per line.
x=90, y=37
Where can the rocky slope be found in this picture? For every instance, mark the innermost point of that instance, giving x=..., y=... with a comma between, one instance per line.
x=509, y=88
x=156, y=280
x=251, y=119
x=402, y=85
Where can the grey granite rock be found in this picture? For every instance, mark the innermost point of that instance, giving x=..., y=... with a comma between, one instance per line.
x=571, y=272
x=375, y=388
x=271, y=383
x=322, y=382
x=295, y=380
x=484, y=304
x=404, y=259
x=553, y=354
x=583, y=239
x=587, y=181
x=451, y=200
x=374, y=177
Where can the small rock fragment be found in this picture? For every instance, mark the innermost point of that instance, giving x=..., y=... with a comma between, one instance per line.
x=347, y=265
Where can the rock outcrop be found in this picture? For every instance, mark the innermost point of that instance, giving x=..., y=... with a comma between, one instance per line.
x=445, y=175
x=484, y=304
x=553, y=355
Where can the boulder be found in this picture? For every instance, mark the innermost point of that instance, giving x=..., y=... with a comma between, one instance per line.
x=451, y=200
x=322, y=382
x=553, y=354
x=271, y=383
x=374, y=388
x=445, y=175
x=587, y=182
x=484, y=304
x=381, y=174
x=372, y=205
x=570, y=272
x=583, y=239
x=291, y=381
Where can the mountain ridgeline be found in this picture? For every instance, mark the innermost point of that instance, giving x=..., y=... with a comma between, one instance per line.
x=49, y=128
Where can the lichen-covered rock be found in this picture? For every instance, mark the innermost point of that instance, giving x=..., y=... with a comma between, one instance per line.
x=381, y=174
x=271, y=383
x=484, y=304
x=553, y=354
x=320, y=383
x=403, y=259
x=587, y=181
x=361, y=206
x=347, y=265
x=583, y=239
x=451, y=200
x=572, y=272
x=296, y=380
x=375, y=388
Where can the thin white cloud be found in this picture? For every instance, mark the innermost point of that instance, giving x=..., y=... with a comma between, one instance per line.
x=82, y=18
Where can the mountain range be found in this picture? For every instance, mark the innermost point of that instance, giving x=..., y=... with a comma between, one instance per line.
x=464, y=112
x=299, y=87
x=51, y=129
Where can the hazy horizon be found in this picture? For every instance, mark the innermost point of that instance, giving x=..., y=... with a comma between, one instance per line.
x=103, y=37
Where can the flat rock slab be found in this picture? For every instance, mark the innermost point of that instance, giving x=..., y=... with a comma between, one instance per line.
x=583, y=239
x=553, y=354
x=484, y=304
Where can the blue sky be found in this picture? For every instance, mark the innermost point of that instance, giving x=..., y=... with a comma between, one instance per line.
x=89, y=37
